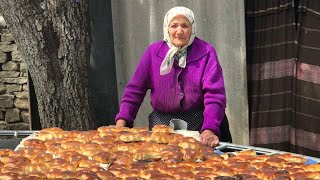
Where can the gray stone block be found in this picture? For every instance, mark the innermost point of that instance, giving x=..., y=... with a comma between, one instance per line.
x=19, y=80
x=23, y=94
x=12, y=115
x=8, y=47
x=10, y=66
x=25, y=116
x=20, y=126
x=3, y=57
x=13, y=87
x=21, y=103
x=9, y=74
x=6, y=101
x=7, y=37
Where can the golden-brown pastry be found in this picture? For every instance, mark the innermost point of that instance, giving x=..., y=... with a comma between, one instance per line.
x=129, y=137
x=87, y=175
x=205, y=175
x=103, y=157
x=312, y=167
x=162, y=129
x=183, y=175
x=19, y=153
x=9, y=176
x=160, y=137
x=225, y=171
x=72, y=156
x=172, y=154
x=104, y=140
x=128, y=173
x=88, y=163
x=53, y=174
x=145, y=136
x=71, y=145
x=5, y=152
x=13, y=159
x=105, y=174
x=192, y=145
x=36, y=167
x=31, y=153
x=275, y=161
x=146, y=155
x=124, y=159
x=289, y=157
x=34, y=143
x=139, y=129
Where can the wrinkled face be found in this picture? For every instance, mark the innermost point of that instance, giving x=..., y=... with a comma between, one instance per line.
x=180, y=31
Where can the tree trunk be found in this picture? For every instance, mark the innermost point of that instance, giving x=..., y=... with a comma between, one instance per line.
x=54, y=37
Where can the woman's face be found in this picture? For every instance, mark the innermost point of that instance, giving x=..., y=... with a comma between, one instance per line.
x=180, y=31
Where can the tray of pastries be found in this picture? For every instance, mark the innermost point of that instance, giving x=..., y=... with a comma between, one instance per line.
x=137, y=153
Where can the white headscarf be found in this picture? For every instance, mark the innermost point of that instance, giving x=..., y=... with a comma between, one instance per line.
x=167, y=62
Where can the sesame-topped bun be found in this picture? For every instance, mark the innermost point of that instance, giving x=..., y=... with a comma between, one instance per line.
x=162, y=128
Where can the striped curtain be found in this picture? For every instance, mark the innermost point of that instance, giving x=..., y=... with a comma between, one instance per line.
x=282, y=75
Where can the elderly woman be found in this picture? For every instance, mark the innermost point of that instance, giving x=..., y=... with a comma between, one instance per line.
x=185, y=78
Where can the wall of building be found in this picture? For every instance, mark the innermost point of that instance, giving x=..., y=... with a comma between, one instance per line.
x=14, y=105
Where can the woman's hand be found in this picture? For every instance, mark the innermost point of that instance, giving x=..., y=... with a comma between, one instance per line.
x=121, y=123
x=208, y=138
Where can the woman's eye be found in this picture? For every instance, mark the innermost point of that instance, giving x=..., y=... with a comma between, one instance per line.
x=174, y=26
x=184, y=26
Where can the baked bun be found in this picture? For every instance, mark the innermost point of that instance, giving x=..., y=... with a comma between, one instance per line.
x=160, y=137
x=129, y=137
x=162, y=129
x=103, y=157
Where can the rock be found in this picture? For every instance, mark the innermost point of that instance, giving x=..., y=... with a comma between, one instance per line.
x=21, y=103
x=16, y=56
x=4, y=125
x=7, y=37
x=19, y=80
x=23, y=94
x=23, y=67
x=3, y=23
x=6, y=101
x=2, y=88
x=13, y=87
x=12, y=115
x=8, y=47
x=25, y=116
x=3, y=57
x=1, y=115
x=9, y=74
x=25, y=87
x=10, y=66
x=20, y=126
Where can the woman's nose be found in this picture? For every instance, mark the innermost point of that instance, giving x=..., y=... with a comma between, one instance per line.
x=179, y=30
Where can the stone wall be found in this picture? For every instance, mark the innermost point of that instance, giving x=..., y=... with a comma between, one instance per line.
x=14, y=105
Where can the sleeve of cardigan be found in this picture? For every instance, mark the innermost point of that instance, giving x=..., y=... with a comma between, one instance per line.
x=135, y=90
x=214, y=95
